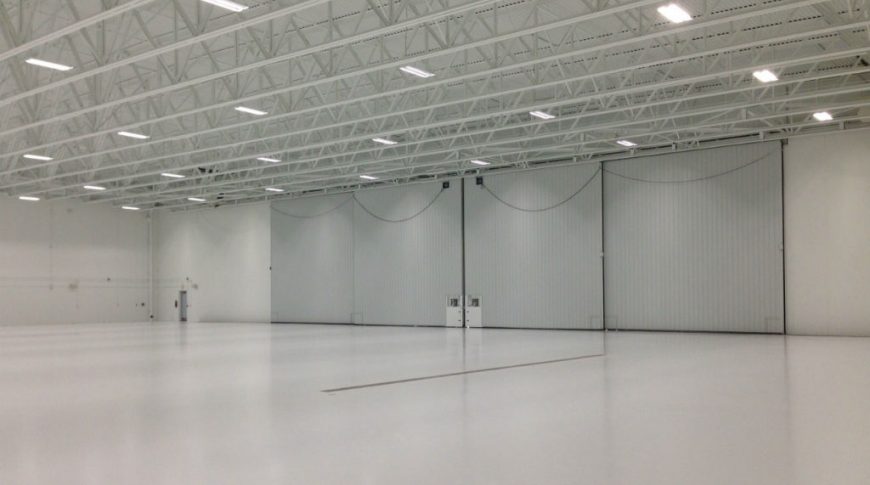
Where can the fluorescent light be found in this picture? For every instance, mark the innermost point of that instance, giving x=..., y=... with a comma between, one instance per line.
x=94, y=187
x=416, y=72
x=137, y=136
x=765, y=76
x=50, y=65
x=196, y=199
x=37, y=157
x=267, y=159
x=28, y=198
x=227, y=4
x=172, y=175
x=479, y=162
x=250, y=111
x=674, y=13
x=626, y=143
x=368, y=177
x=542, y=115
x=384, y=141
x=129, y=208
x=273, y=189
x=823, y=116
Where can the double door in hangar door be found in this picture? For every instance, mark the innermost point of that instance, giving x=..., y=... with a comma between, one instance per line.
x=464, y=311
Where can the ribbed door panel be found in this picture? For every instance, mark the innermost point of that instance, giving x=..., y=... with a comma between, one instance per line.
x=404, y=271
x=701, y=255
x=312, y=260
x=536, y=269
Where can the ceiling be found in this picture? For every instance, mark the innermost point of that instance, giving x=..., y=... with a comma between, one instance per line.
x=327, y=73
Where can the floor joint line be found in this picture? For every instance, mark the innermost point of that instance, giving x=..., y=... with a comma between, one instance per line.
x=455, y=374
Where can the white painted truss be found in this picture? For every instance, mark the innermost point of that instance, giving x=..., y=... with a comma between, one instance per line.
x=328, y=76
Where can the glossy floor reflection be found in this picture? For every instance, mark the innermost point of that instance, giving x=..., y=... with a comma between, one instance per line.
x=242, y=403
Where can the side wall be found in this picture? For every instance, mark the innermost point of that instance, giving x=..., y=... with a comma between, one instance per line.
x=220, y=256
x=68, y=262
x=827, y=234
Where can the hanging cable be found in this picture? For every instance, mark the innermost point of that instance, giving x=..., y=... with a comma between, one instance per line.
x=706, y=177
x=543, y=209
x=297, y=216
x=384, y=219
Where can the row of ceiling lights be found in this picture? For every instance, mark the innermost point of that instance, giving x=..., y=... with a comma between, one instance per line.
x=673, y=12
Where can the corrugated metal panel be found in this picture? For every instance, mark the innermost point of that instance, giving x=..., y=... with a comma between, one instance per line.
x=404, y=271
x=536, y=269
x=702, y=255
x=312, y=260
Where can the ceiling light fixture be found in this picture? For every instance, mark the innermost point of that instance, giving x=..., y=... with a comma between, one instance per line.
x=626, y=143
x=94, y=187
x=196, y=199
x=28, y=198
x=250, y=111
x=37, y=157
x=765, y=76
x=384, y=141
x=172, y=175
x=129, y=208
x=227, y=4
x=368, y=177
x=416, y=72
x=49, y=65
x=542, y=115
x=479, y=162
x=674, y=13
x=273, y=189
x=267, y=159
x=823, y=116
x=137, y=136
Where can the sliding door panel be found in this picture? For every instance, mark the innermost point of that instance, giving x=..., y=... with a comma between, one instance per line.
x=533, y=248
x=693, y=240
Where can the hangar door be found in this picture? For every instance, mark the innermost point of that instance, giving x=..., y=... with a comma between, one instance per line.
x=387, y=256
x=533, y=248
x=693, y=240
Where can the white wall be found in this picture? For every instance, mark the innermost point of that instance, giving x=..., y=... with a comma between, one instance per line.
x=827, y=231
x=220, y=256
x=69, y=262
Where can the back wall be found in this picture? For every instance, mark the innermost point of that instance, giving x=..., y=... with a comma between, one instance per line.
x=70, y=262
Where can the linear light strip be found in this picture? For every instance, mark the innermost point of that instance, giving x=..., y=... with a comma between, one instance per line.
x=37, y=157
x=48, y=64
x=416, y=72
x=250, y=111
x=130, y=134
x=227, y=4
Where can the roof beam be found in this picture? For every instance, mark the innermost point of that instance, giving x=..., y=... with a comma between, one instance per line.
x=463, y=77
x=74, y=27
x=565, y=126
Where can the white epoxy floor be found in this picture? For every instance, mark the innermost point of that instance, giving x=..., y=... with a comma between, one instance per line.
x=242, y=404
